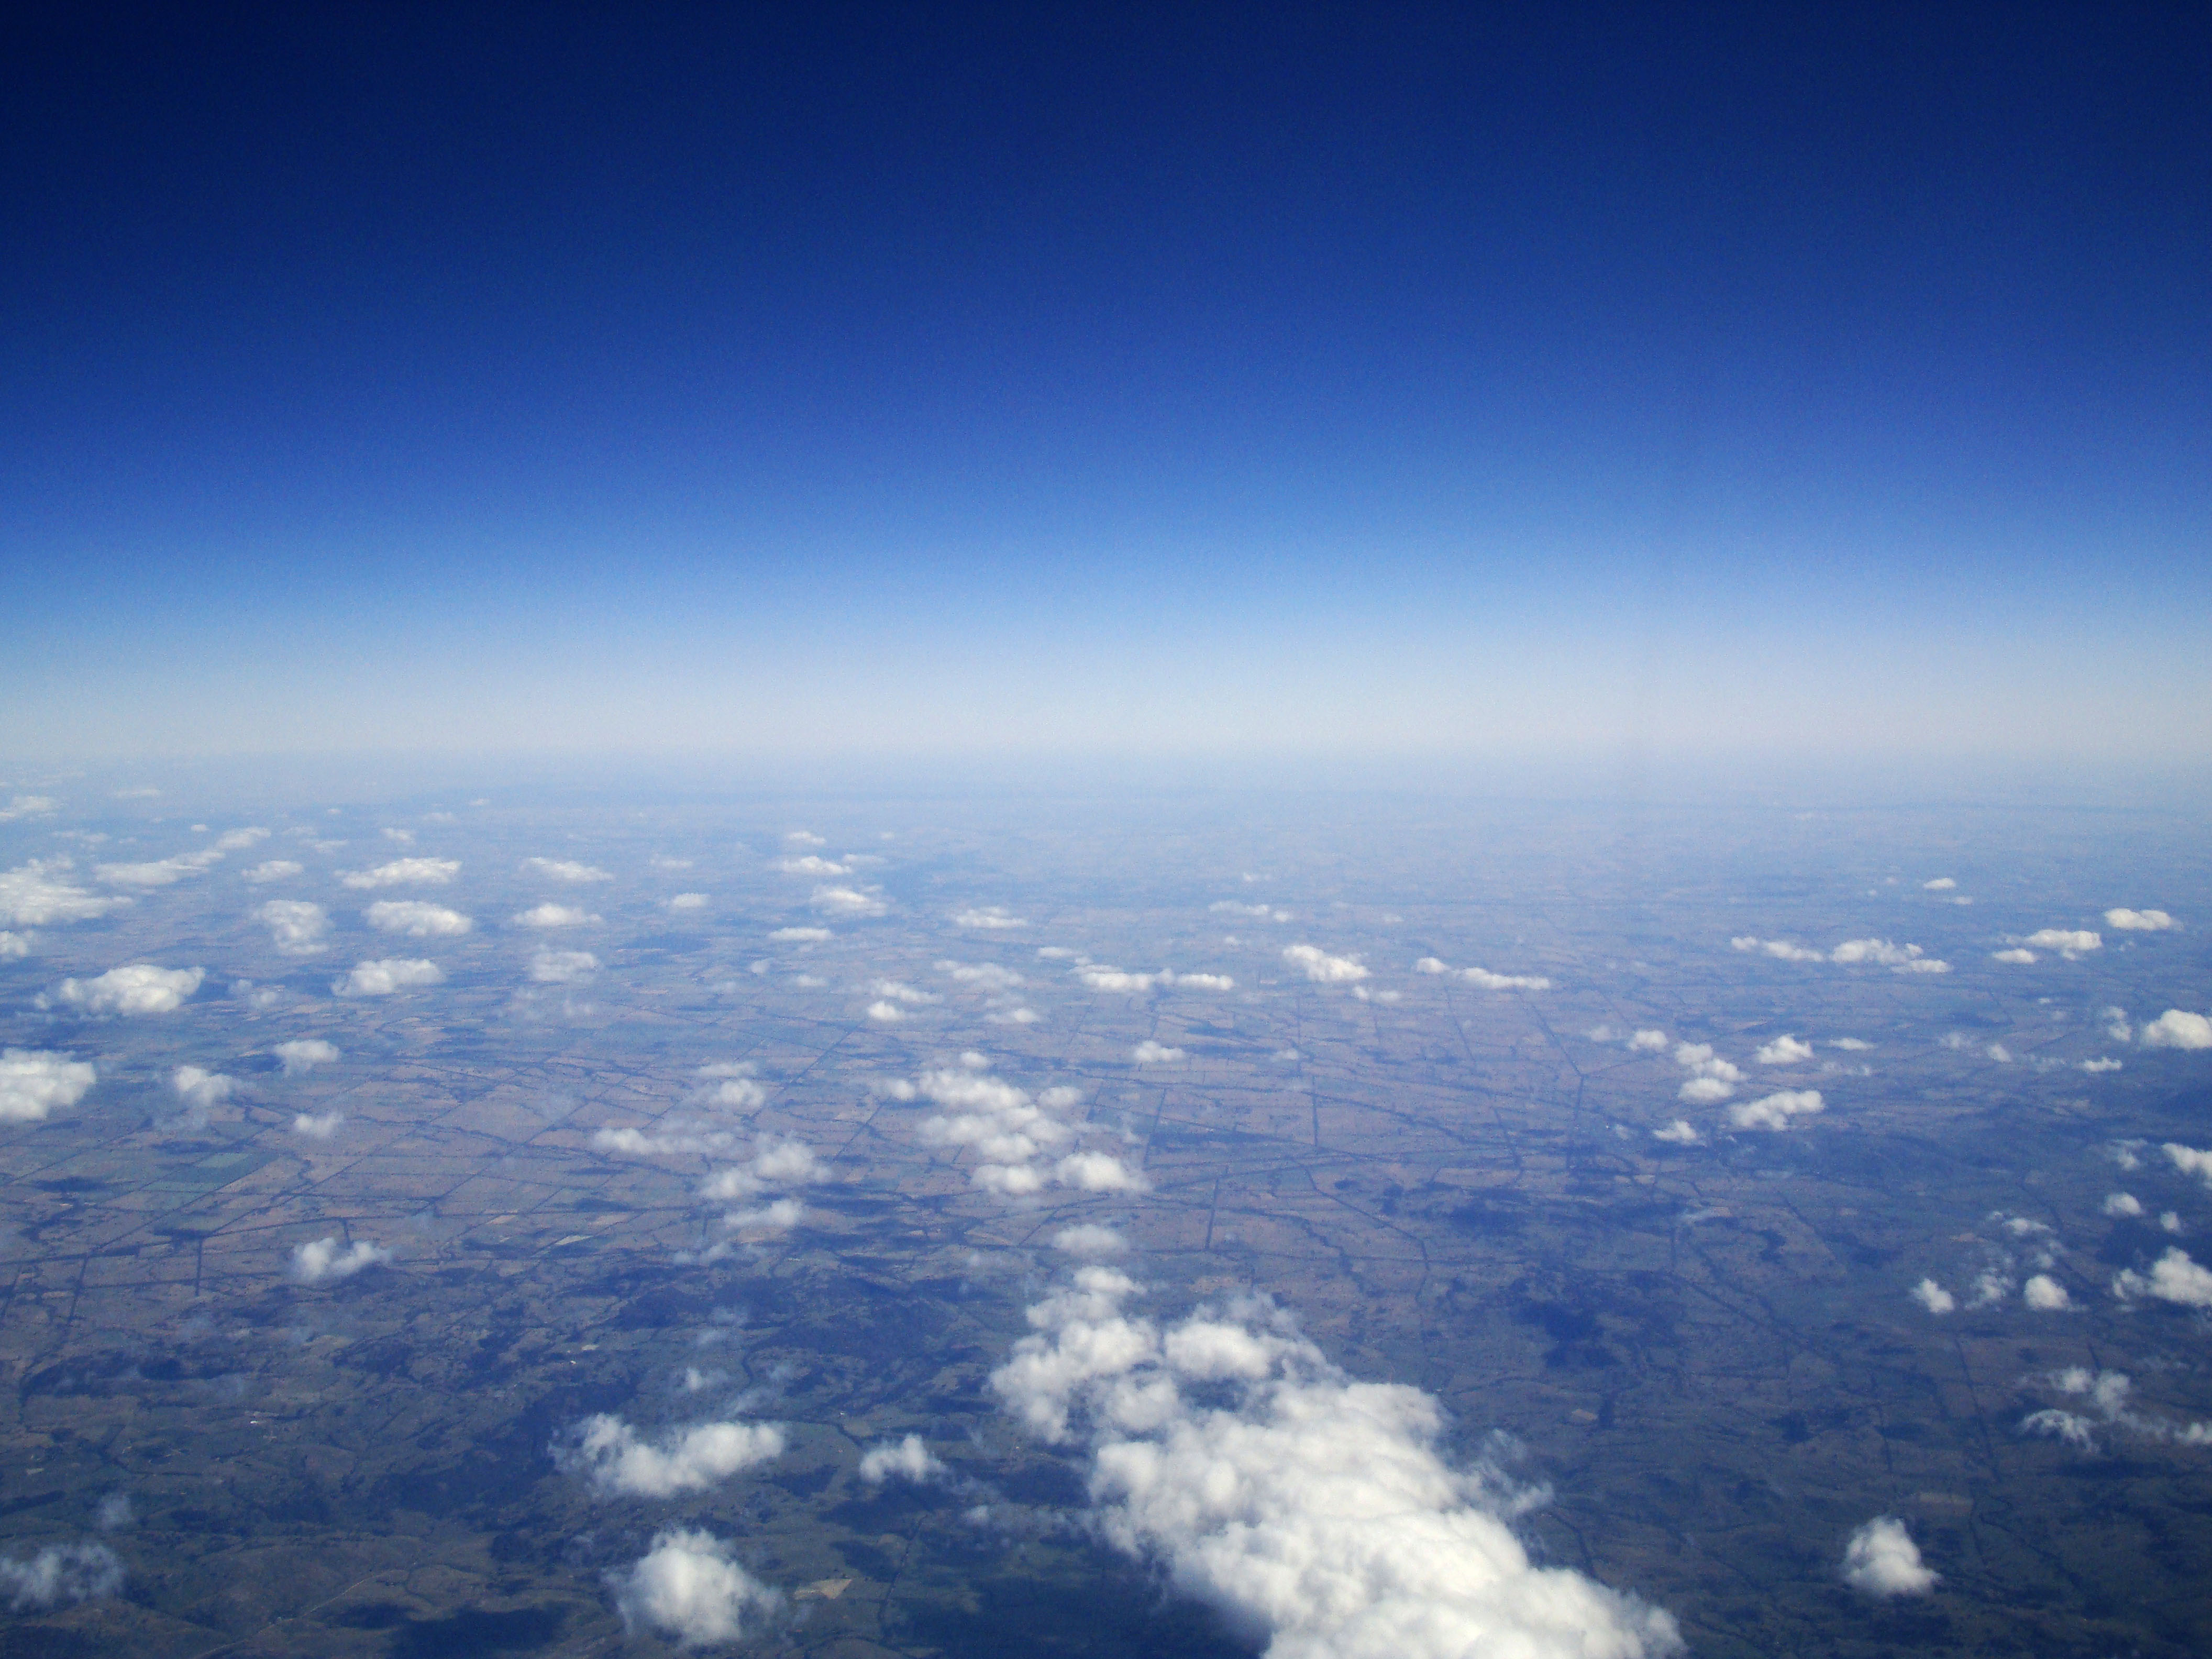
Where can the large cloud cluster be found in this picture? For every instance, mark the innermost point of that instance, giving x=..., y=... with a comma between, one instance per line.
x=34, y=894
x=33, y=1081
x=1013, y=1135
x=137, y=987
x=1311, y=1511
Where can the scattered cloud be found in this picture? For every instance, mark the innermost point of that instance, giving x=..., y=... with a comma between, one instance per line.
x=688, y=1587
x=898, y=991
x=888, y=1012
x=14, y=946
x=1099, y=1172
x=2177, y=1029
x=1781, y=949
x=416, y=919
x=1940, y=884
x=906, y=1460
x=1323, y=968
x=1934, y=1297
x=1477, y=977
x=405, y=872
x=59, y=1573
x=549, y=916
x=1647, y=1042
x=34, y=894
x=2069, y=942
x=273, y=870
x=2139, y=921
x=987, y=976
x=164, y=873
x=382, y=977
x=1712, y=1079
x=1785, y=1050
x=1900, y=958
x=836, y=901
x=1312, y=1511
x=322, y=1261
x=1777, y=1110
x=803, y=838
x=137, y=987
x=618, y=1461
x=295, y=926
x=682, y=902
x=317, y=1126
x=801, y=935
x=1149, y=1052
x=1851, y=1045
x=1679, y=1133
x=988, y=917
x=812, y=864
x=27, y=806
x=2174, y=1277
x=2015, y=955
x=564, y=870
x=2190, y=1160
x=34, y=1081
x=2044, y=1294
x=2122, y=1204
x=1881, y=1559
x=1088, y=1239
x=550, y=967
x=1256, y=912
x=303, y=1054
x=200, y=1089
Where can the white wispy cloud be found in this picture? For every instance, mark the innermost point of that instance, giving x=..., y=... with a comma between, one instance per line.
x=28, y=807
x=382, y=977
x=2174, y=1277
x=1781, y=949
x=317, y=1126
x=315, y=1263
x=295, y=926
x=801, y=935
x=1088, y=1238
x=688, y=1587
x=988, y=917
x=839, y=901
x=405, y=872
x=618, y=1461
x=201, y=1088
x=60, y=1573
x=1881, y=1559
x=1679, y=1133
x=905, y=1460
x=2069, y=942
x=273, y=870
x=417, y=919
x=680, y=902
x=2139, y=921
x=2176, y=1028
x=1777, y=1110
x=1934, y=1297
x=987, y=974
x=137, y=987
x=34, y=894
x=1482, y=977
x=303, y=1054
x=564, y=870
x=550, y=967
x=2013, y=954
x=812, y=864
x=1257, y=912
x=1149, y=1052
x=1900, y=958
x=1319, y=966
x=554, y=916
x=1940, y=884
x=34, y=1081
x=1311, y=1511
x=2190, y=1160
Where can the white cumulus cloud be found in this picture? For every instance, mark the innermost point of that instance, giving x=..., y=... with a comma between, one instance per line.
x=320, y=1259
x=1777, y=1110
x=1940, y=884
x=1088, y=1238
x=907, y=1460
x=1934, y=1297
x=1899, y=958
x=1321, y=968
x=2044, y=1294
x=2069, y=942
x=1099, y=1172
x=2174, y=1277
x=386, y=975
x=1149, y=1052
x=1785, y=1050
x=201, y=1088
x=295, y=926
x=59, y=1573
x=564, y=870
x=988, y=917
x=1781, y=949
x=681, y=901
x=2190, y=1160
x=2176, y=1028
x=273, y=870
x=304, y=1053
x=137, y=987
x=405, y=873
x=34, y=1081
x=1881, y=1559
x=549, y=967
x=1679, y=1133
x=801, y=935
x=838, y=901
x=551, y=915
x=416, y=919
x=34, y=895
x=2139, y=921
x=812, y=864
x=618, y=1461
x=688, y=1587
x=317, y=1126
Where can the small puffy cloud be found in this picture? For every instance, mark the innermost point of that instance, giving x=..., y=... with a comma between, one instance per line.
x=2190, y=1160
x=1900, y=958
x=2174, y=1277
x=801, y=935
x=317, y=1126
x=1678, y=1133
x=1934, y=1297
x=550, y=966
x=1202, y=981
x=34, y=895
x=907, y=1460
x=1099, y=1172
x=320, y=1260
x=898, y=991
x=273, y=870
x=1712, y=1079
x=200, y=1089
x=547, y=915
x=803, y=838
x=1088, y=1239
x=812, y=864
x=296, y=928
x=687, y=1587
x=60, y=1573
x=2104, y=1064
x=564, y=870
x=1704, y=1091
x=779, y=1215
x=1777, y=1110
x=988, y=976
x=416, y=919
x=1099, y=977
x=1323, y=968
x=2139, y=921
x=2177, y=1029
x=681, y=901
x=405, y=873
x=1149, y=1052
x=2044, y=1294
x=2122, y=1204
x=1851, y=1045
x=2069, y=942
x=2116, y=1024
x=1881, y=1559
x=304, y=1054
x=34, y=1081
x=988, y=917
x=839, y=901
x=1940, y=884
x=137, y=987
x=2015, y=955
x=382, y=977
x=1484, y=979
x=2077, y=1432
x=888, y=1013
x=1781, y=949
x=618, y=1461
x=1647, y=1042
x=1785, y=1050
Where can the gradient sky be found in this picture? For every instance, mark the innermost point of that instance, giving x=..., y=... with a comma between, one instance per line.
x=937, y=380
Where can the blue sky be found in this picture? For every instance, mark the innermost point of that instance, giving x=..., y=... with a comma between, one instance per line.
x=949, y=381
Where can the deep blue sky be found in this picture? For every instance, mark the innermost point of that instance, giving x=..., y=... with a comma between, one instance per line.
x=1279, y=378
